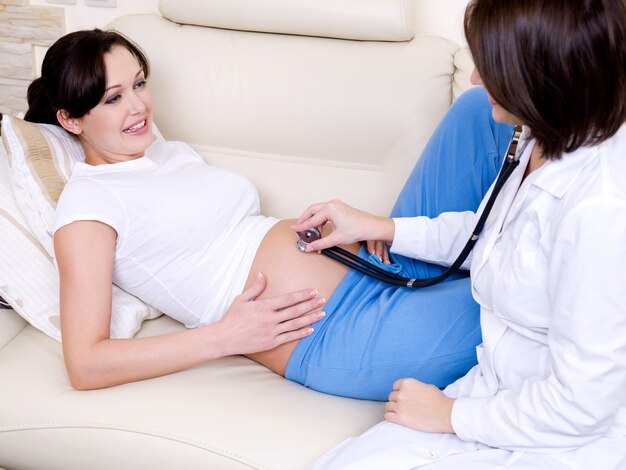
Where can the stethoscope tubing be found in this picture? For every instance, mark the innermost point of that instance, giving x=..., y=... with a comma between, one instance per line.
x=369, y=269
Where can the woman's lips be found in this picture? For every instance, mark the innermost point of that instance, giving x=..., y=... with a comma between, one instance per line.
x=138, y=128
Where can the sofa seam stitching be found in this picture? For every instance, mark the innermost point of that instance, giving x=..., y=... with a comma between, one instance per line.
x=138, y=430
x=288, y=158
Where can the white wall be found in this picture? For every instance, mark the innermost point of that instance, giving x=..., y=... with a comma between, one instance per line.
x=442, y=18
x=436, y=17
x=81, y=16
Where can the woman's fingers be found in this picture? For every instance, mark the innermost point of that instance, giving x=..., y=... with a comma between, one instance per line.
x=297, y=312
x=293, y=335
x=301, y=321
x=378, y=248
x=381, y=251
x=305, y=301
x=255, y=289
x=300, y=314
x=259, y=325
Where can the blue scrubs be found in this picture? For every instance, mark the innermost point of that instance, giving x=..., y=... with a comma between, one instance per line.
x=374, y=333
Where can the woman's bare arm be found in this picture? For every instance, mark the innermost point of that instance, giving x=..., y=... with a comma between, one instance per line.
x=85, y=253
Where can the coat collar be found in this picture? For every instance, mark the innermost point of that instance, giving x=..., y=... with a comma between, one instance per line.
x=556, y=176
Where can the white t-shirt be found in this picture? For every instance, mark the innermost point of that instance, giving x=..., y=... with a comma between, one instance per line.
x=187, y=232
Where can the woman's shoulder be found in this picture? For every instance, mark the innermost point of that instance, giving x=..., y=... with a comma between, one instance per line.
x=85, y=198
x=82, y=195
x=81, y=186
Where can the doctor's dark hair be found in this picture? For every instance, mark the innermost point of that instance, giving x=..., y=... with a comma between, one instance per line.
x=73, y=74
x=557, y=65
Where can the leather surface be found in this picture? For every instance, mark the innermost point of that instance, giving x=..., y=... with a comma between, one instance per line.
x=372, y=20
x=306, y=119
x=325, y=117
x=10, y=326
x=229, y=413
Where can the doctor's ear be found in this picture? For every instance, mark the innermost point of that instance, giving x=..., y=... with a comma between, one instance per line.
x=69, y=124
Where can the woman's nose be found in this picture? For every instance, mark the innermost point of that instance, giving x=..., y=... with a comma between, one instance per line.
x=137, y=105
x=475, y=77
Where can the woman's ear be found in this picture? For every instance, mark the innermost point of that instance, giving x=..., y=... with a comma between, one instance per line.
x=68, y=123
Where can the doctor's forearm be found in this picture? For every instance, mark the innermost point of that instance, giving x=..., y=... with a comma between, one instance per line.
x=438, y=240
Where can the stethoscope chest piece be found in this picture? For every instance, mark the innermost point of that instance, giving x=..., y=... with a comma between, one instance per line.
x=306, y=237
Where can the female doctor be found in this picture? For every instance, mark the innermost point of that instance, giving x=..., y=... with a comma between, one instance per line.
x=548, y=271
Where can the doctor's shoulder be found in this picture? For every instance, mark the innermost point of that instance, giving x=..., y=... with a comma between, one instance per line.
x=593, y=206
x=601, y=174
x=613, y=161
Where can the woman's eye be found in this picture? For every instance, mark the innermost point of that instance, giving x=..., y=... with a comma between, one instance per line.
x=140, y=84
x=112, y=99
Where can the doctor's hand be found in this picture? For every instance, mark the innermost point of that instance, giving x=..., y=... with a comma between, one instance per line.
x=252, y=325
x=349, y=225
x=420, y=406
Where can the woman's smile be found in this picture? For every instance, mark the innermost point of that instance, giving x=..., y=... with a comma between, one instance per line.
x=139, y=128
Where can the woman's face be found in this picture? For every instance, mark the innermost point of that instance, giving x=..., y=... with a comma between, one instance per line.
x=119, y=128
x=499, y=113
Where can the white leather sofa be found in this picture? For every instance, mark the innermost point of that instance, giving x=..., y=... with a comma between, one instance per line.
x=311, y=100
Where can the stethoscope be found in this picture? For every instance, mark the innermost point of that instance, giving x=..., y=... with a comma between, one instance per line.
x=511, y=160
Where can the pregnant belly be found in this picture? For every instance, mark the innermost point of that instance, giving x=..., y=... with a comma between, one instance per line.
x=287, y=269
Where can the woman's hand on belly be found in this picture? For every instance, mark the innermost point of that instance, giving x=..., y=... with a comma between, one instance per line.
x=251, y=325
x=288, y=270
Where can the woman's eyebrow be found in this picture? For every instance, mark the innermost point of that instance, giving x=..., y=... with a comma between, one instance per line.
x=117, y=86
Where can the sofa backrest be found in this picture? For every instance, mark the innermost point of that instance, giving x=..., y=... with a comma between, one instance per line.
x=310, y=99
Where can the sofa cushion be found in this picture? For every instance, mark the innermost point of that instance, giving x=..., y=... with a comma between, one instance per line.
x=230, y=413
x=41, y=157
x=306, y=119
x=370, y=20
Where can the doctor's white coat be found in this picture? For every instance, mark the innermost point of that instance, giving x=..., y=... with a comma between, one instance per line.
x=549, y=273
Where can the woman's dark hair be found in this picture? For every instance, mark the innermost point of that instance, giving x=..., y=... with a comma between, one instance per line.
x=558, y=65
x=73, y=75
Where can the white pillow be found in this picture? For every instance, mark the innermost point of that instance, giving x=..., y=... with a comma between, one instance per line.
x=38, y=161
x=41, y=159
